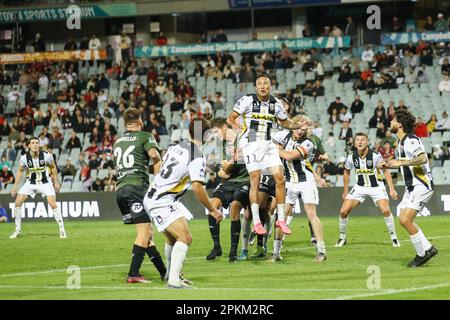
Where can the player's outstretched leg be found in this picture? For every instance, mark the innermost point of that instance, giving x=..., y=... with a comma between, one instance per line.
x=424, y=250
x=383, y=205
x=246, y=227
x=58, y=216
x=155, y=258
x=255, y=178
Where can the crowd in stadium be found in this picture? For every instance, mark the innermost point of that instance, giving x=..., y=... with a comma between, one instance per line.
x=79, y=104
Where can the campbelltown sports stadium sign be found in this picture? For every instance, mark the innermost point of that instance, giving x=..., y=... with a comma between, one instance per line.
x=414, y=37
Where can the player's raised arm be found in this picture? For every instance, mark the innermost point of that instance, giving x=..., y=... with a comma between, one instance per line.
x=156, y=159
x=18, y=178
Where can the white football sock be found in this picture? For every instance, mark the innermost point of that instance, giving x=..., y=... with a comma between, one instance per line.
x=289, y=219
x=18, y=218
x=58, y=217
x=343, y=228
x=168, y=253
x=391, y=226
x=255, y=213
x=178, y=255
x=276, y=247
x=418, y=244
x=281, y=212
x=321, y=247
x=246, y=227
x=426, y=244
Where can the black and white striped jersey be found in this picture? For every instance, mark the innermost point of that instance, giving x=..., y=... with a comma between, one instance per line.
x=367, y=173
x=37, y=168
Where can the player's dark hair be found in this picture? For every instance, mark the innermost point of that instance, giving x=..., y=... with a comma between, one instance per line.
x=262, y=75
x=131, y=115
x=196, y=125
x=406, y=119
x=34, y=138
x=362, y=134
x=219, y=122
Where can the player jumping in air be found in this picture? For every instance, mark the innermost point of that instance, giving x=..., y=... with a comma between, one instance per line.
x=260, y=113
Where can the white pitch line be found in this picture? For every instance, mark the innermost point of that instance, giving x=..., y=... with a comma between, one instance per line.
x=31, y=273
x=31, y=287
x=393, y=291
x=429, y=238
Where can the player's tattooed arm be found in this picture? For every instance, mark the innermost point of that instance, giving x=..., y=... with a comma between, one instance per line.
x=156, y=159
x=289, y=124
x=416, y=161
x=54, y=174
x=18, y=178
x=298, y=153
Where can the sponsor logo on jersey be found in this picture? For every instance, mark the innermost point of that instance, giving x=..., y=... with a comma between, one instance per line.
x=364, y=171
x=261, y=116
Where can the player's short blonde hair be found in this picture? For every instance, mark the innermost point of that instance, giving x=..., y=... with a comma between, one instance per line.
x=301, y=117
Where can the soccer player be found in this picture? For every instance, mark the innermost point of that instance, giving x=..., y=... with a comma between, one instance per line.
x=369, y=183
x=132, y=153
x=235, y=176
x=37, y=164
x=183, y=165
x=297, y=152
x=260, y=112
x=413, y=162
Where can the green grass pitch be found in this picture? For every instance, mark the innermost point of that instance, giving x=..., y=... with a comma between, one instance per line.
x=35, y=265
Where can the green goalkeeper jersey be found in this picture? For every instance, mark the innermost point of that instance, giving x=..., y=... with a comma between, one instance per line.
x=132, y=159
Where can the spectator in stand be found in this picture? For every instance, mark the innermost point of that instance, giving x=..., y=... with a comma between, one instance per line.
x=426, y=57
x=74, y=141
x=429, y=24
x=346, y=132
x=125, y=47
x=377, y=118
x=444, y=123
x=318, y=89
x=421, y=128
x=306, y=31
x=70, y=45
x=368, y=55
x=68, y=171
x=21, y=144
x=161, y=40
x=441, y=24
x=431, y=124
x=444, y=85
x=389, y=139
x=345, y=115
x=396, y=25
x=357, y=105
x=345, y=75
x=330, y=143
x=43, y=141
x=350, y=29
x=445, y=67
x=221, y=36
x=317, y=130
x=337, y=104
x=336, y=32
x=85, y=177
x=6, y=177
x=387, y=152
x=5, y=162
x=334, y=117
x=38, y=44
x=94, y=43
x=438, y=154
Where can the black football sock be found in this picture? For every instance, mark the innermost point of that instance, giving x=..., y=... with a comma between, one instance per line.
x=156, y=259
x=235, y=234
x=214, y=229
x=136, y=260
x=262, y=217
